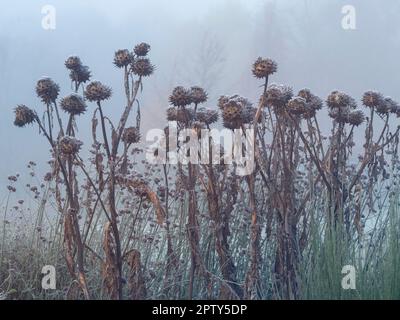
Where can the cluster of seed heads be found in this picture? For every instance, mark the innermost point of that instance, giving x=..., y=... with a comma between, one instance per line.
x=236, y=111
x=78, y=72
x=139, y=65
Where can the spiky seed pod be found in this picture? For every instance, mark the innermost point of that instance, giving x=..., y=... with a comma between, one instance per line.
x=141, y=49
x=236, y=111
x=198, y=94
x=73, y=104
x=341, y=115
x=356, y=118
x=179, y=114
x=73, y=63
x=339, y=100
x=262, y=68
x=122, y=58
x=131, y=135
x=372, y=99
x=96, y=91
x=69, y=145
x=142, y=67
x=47, y=90
x=297, y=106
x=305, y=94
x=207, y=116
x=81, y=74
x=180, y=97
x=277, y=96
x=23, y=116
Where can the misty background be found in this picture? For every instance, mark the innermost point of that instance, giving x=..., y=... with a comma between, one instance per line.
x=211, y=43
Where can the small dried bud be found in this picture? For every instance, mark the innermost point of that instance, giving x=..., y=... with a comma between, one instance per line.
x=96, y=91
x=23, y=116
x=73, y=104
x=356, y=118
x=262, y=68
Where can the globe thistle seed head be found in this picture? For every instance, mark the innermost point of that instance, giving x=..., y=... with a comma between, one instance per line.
x=278, y=96
x=262, y=68
x=81, y=74
x=297, y=106
x=96, y=91
x=69, y=145
x=340, y=115
x=382, y=107
x=392, y=105
x=142, y=67
x=73, y=63
x=207, y=116
x=198, y=94
x=180, y=97
x=181, y=115
x=236, y=111
x=356, y=118
x=339, y=100
x=23, y=116
x=73, y=104
x=372, y=99
x=141, y=49
x=248, y=114
x=131, y=135
x=47, y=90
x=122, y=58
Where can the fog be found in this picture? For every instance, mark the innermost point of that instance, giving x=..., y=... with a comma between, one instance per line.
x=211, y=43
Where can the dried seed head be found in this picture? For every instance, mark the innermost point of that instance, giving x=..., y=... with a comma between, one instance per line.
x=382, y=107
x=142, y=67
x=47, y=90
x=278, y=96
x=142, y=49
x=81, y=74
x=96, y=91
x=23, y=116
x=131, y=135
x=179, y=114
x=236, y=111
x=340, y=100
x=356, y=118
x=199, y=95
x=122, y=58
x=180, y=97
x=262, y=68
x=341, y=115
x=392, y=105
x=69, y=145
x=372, y=99
x=207, y=116
x=73, y=63
x=297, y=106
x=73, y=104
